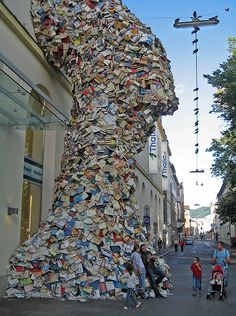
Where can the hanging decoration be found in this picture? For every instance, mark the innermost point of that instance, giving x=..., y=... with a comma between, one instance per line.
x=196, y=23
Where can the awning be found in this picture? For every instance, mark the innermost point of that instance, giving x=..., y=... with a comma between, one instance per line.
x=23, y=104
x=180, y=224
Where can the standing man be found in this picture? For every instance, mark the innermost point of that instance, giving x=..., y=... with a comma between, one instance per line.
x=176, y=244
x=154, y=273
x=221, y=256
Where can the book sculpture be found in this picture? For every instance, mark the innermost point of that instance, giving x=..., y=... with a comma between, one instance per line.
x=121, y=84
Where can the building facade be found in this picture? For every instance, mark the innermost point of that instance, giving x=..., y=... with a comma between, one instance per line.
x=34, y=111
x=159, y=194
x=149, y=190
x=225, y=232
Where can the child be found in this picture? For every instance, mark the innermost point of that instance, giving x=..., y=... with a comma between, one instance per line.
x=197, y=275
x=181, y=243
x=132, y=282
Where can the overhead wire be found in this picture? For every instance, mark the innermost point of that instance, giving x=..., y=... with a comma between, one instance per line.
x=226, y=10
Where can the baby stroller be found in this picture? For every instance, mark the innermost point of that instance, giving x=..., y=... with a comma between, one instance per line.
x=217, y=283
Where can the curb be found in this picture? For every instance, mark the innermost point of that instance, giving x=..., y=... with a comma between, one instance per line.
x=166, y=253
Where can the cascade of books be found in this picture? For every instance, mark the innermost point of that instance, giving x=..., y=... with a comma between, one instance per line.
x=121, y=83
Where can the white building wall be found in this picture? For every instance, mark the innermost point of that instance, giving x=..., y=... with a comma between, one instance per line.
x=148, y=193
x=11, y=170
x=29, y=63
x=22, y=12
x=224, y=233
x=12, y=141
x=142, y=158
x=148, y=186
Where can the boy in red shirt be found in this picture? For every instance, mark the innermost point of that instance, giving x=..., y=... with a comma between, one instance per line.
x=197, y=275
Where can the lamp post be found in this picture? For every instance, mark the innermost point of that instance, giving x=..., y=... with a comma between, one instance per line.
x=190, y=228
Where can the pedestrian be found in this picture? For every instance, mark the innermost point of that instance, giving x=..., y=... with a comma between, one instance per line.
x=149, y=237
x=154, y=273
x=132, y=281
x=197, y=275
x=164, y=242
x=176, y=244
x=139, y=267
x=181, y=243
x=221, y=256
x=159, y=243
x=153, y=244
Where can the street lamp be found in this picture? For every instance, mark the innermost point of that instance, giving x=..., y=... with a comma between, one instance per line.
x=190, y=221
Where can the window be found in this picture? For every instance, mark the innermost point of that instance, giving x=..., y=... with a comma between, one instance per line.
x=32, y=185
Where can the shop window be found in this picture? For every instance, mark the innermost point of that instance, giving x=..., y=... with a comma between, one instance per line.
x=31, y=206
x=33, y=169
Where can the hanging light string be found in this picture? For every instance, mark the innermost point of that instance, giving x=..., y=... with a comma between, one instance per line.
x=196, y=99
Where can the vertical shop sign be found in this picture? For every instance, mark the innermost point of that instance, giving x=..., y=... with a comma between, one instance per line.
x=164, y=165
x=153, y=154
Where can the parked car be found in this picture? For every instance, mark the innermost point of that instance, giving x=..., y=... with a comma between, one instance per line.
x=189, y=240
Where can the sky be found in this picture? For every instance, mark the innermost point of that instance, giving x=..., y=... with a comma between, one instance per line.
x=213, y=50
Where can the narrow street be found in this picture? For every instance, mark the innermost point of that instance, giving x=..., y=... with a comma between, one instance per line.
x=181, y=303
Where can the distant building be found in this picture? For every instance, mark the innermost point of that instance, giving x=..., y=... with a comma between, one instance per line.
x=177, y=205
x=199, y=221
x=180, y=210
x=187, y=221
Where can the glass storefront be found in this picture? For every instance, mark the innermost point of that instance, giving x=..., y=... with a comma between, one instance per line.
x=33, y=168
x=31, y=210
x=26, y=106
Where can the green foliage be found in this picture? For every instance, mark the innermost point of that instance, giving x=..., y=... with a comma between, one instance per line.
x=226, y=207
x=232, y=44
x=224, y=149
x=224, y=79
x=224, y=153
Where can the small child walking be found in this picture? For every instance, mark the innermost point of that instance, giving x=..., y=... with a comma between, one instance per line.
x=197, y=275
x=132, y=281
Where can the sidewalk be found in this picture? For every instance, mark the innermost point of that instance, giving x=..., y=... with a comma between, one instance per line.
x=53, y=307
x=164, y=252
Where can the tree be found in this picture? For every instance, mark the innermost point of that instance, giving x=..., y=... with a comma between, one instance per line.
x=226, y=207
x=232, y=44
x=224, y=149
